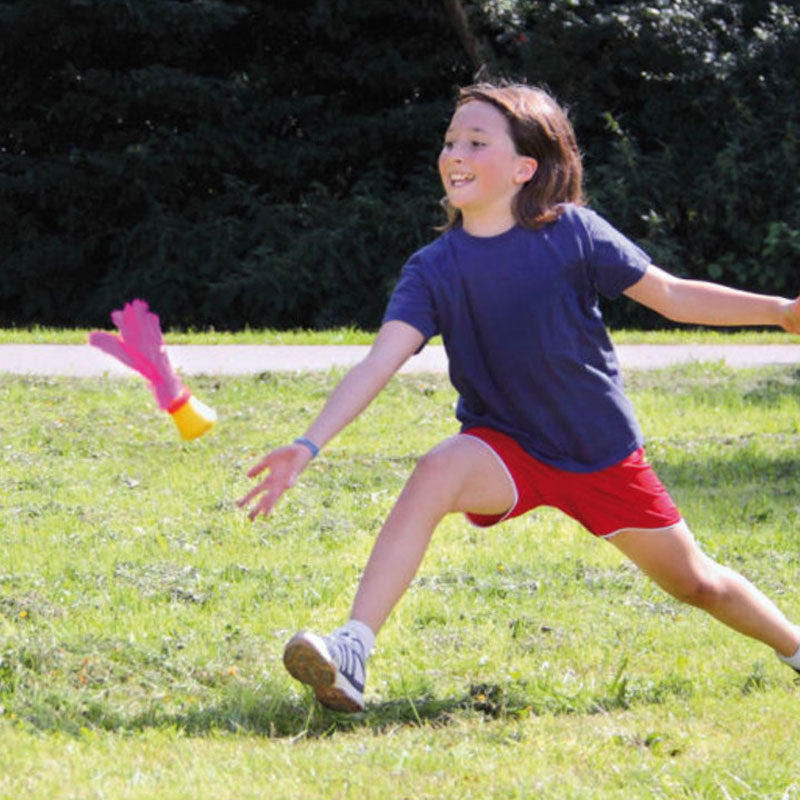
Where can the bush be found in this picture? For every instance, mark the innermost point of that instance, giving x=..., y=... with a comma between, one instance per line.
x=257, y=163
x=273, y=163
x=684, y=112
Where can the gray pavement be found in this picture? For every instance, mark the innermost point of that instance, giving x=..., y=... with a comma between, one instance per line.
x=85, y=361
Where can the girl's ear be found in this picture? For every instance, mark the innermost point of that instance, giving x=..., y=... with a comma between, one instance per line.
x=526, y=169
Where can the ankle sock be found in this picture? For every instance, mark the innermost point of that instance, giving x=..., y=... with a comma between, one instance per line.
x=359, y=630
x=792, y=661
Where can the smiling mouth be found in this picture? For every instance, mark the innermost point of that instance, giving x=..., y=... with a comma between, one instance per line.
x=459, y=179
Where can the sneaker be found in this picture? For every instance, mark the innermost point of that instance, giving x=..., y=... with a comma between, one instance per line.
x=333, y=666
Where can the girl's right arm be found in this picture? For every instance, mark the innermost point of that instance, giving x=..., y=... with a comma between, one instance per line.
x=705, y=303
x=395, y=343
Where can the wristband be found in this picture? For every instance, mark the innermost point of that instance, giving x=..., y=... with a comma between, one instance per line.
x=313, y=449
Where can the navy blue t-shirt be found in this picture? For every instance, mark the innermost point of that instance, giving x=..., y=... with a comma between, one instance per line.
x=519, y=317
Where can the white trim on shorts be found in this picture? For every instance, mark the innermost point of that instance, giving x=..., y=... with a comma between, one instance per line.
x=634, y=528
x=510, y=478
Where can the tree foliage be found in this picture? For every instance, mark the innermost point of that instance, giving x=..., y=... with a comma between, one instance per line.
x=249, y=163
x=685, y=112
x=273, y=163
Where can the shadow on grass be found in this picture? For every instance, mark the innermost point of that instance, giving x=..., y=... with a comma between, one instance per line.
x=729, y=462
x=763, y=386
x=271, y=714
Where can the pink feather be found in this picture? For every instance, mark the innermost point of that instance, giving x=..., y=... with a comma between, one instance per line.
x=141, y=347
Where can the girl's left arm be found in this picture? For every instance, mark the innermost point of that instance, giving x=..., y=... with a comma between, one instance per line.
x=705, y=303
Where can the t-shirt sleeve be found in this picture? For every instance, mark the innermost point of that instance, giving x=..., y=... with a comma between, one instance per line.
x=615, y=262
x=412, y=301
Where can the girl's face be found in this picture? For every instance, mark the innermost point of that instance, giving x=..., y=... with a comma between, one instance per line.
x=481, y=169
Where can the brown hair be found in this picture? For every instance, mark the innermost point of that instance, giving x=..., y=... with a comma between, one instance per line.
x=540, y=129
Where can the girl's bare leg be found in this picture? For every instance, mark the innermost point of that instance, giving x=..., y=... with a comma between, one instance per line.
x=673, y=560
x=460, y=474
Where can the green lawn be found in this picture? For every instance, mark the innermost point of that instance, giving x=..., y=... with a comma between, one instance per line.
x=39, y=335
x=142, y=618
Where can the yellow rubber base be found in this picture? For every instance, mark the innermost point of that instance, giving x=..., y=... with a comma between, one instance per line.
x=194, y=418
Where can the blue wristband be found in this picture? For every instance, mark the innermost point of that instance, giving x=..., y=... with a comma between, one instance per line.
x=313, y=449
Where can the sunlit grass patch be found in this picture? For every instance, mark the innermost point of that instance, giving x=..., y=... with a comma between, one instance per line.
x=142, y=618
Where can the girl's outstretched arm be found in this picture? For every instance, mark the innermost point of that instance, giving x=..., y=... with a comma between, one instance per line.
x=395, y=343
x=705, y=303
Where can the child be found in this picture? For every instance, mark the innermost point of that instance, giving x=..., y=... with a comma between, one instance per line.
x=512, y=287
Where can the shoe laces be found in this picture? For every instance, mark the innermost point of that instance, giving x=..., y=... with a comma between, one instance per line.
x=349, y=655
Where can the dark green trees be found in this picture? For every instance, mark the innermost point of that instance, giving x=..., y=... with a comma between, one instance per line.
x=250, y=163
x=273, y=163
x=686, y=113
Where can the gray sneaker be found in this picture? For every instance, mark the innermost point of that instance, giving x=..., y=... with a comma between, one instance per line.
x=333, y=666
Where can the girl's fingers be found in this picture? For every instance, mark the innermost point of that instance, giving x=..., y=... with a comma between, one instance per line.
x=273, y=459
x=250, y=495
x=263, y=507
x=266, y=503
x=264, y=486
x=282, y=476
x=260, y=467
x=270, y=491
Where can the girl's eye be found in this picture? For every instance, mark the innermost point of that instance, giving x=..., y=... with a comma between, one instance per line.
x=474, y=143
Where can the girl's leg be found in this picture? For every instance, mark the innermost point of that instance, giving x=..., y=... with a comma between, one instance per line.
x=673, y=560
x=460, y=474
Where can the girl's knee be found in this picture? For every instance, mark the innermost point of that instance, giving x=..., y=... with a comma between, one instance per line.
x=702, y=590
x=433, y=472
x=434, y=461
x=432, y=466
x=447, y=462
x=436, y=469
x=463, y=474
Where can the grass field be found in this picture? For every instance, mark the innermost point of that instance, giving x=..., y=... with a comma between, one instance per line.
x=142, y=618
x=40, y=335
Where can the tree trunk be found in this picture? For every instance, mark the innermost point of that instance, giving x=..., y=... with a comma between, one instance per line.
x=460, y=22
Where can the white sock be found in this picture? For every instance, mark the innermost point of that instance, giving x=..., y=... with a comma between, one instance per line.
x=792, y=661
x=361, y=631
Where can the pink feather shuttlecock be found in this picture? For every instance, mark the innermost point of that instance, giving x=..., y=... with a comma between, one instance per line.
x=141, y=347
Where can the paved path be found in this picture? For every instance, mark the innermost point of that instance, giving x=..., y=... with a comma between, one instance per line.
x=85, y=361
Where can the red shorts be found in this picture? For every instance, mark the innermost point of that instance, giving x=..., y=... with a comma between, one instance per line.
x=625, y=495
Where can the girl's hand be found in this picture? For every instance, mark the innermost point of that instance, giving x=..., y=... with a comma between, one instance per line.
x=285, y=465
x=394, y=344
x=791, y=321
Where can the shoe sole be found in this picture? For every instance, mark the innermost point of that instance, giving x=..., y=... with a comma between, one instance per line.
x=308, y=664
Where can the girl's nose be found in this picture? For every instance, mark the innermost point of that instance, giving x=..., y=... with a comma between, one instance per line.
x=455, y=153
